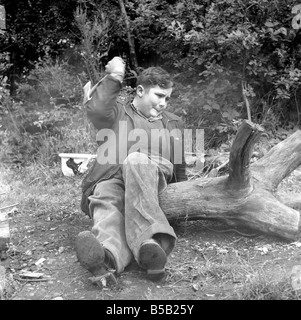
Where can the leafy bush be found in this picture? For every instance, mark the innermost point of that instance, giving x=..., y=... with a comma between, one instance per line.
x=46, y=119
x=51, y=83
x=56, y=131
x=231, y=59
x=94, y=39
x=4, y=86
x=232, y=51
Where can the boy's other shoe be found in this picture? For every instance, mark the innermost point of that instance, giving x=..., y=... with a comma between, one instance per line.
x=153, y=258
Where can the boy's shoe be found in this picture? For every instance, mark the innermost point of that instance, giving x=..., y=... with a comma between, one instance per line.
x=153, y=258
x=92, y=255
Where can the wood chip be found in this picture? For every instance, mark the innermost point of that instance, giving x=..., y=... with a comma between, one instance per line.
x=29, y=274
x=40, y=261
x=195, y=287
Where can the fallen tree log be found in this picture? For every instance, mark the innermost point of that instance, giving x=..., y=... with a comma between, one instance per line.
x=247, y=195
x=292, y=200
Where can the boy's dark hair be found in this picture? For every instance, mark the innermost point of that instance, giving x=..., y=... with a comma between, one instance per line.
x=155, y=76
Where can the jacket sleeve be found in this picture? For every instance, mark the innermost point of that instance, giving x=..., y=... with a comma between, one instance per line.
x=100, y=101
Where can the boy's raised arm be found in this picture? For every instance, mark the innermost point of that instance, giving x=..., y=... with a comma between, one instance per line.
x=100, y=100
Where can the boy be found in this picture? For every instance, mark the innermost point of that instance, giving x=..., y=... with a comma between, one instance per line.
x=121, y=190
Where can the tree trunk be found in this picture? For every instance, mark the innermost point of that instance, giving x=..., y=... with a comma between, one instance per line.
x=279, y=162
x=129, y=35
x=246, y=196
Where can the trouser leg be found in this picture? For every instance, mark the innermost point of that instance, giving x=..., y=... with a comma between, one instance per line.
x=144, y=179
x=107, y=209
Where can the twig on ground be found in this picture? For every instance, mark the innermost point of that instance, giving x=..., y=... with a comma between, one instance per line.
x=233, y=230
x=173, y=285
x=12, y=205
x=34, y=280
x=104, y=279
x=34, y=180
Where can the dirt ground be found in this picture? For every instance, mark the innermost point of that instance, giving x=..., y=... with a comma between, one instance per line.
x=210, y=262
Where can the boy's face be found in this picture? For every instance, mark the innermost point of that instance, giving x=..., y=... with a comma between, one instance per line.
x=153, y=100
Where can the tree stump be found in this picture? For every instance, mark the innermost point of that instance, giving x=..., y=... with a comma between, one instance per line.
x=247, y=195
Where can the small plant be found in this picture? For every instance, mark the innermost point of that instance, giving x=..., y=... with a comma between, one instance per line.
x=211, y=106
x=259, y=287
x=5, y=98
x=41, y=136
x=47, y=118
x=94, y=43
x=51, y=83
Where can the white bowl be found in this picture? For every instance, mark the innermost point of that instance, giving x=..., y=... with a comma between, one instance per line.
x=77, y=161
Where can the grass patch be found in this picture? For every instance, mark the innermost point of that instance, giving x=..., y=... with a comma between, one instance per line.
x=200, y=271
x=260, y=287
x=39, y=189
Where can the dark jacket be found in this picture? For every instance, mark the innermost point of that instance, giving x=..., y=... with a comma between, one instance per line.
x=107, y=110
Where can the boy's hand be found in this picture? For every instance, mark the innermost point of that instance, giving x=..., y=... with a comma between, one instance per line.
x=115, y=66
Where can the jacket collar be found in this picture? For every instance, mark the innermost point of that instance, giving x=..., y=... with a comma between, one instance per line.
x=166, y=116
x=151, y=119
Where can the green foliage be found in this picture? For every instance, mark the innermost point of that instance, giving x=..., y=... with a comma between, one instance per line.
x=227, y=56
x=208, y=106
x=38, y=137
x=36, y=25
x=234, y=50
x=248, y=41
x=51, y=82
x=94, y=40
x=46, y=119
x=5, y=99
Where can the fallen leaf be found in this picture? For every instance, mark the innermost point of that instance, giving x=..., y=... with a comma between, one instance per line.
x=28, y=253
x=195, y=287
x=40, y=261
x=263, y=249
x=297, y=244
x=61, y=249
x=222, y=250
